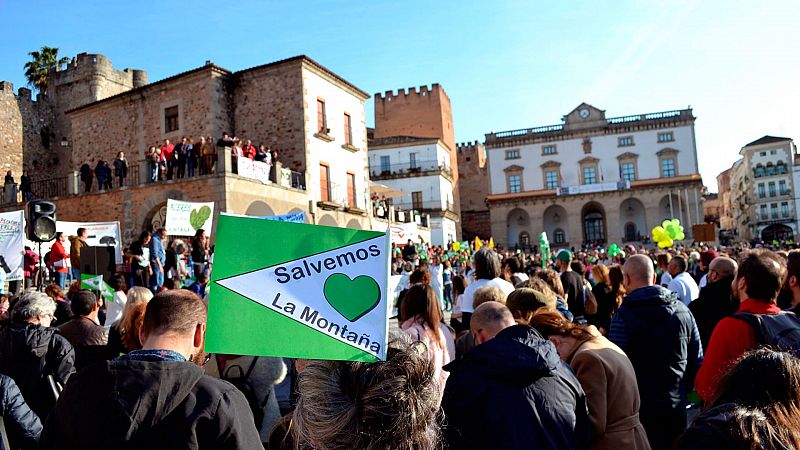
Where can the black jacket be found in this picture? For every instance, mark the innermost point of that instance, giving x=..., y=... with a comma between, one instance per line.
x=713, y=304
x=717, y=428
x=149, y=405
x=28, y=354
x=513, y=392
x=660, y=337
x=22, y=425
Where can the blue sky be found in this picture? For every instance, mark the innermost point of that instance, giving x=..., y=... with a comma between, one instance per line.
x=505, y=65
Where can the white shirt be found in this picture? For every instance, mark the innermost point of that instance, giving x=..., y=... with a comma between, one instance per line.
x=469, y=293
x=685, y=287
x=666, y=278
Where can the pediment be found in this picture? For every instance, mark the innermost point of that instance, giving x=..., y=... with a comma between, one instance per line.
x=627, y=155
x=550, y=164
x=589, y=160
x=514, y=168
x=667, y=151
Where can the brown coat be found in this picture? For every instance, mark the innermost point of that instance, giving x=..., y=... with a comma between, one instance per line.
x=76, y=244
x=607, y=377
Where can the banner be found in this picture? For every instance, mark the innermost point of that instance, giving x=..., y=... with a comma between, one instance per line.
x=96, y=283
x=12, y=243
x=255, y=170
x=308, y=291
x=298, y=217
x=185, y=218
x=98, y=234
x=402, y=232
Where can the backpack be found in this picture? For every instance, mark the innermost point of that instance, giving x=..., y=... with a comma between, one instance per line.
x=778, y=331
x=242, y=382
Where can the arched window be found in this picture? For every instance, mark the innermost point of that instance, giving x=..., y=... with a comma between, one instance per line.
x=770, y=169
x=593, y=226
x=759, y=171
x=558, y=236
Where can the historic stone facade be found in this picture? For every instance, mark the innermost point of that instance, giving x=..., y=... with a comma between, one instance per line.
x=26, y=138
x=473, y=187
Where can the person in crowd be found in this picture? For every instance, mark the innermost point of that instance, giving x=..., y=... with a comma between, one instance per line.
x=225, y=142
x=606, y=298
x=447, y=278
x=200, y=284
x=76, y=244
x=191, y=157
x=682, y=283
x=487, y=272
x=121, y=168
x=168, y=157
x=705, y=262
x=553, y=280
x=757, y=405
x=395, y=407
x=261, y=154
x=514, y=271
x=758, y=279
x=198, y=150
x=437, y=277
x=5, y=310
x=21, y=426
x=249, y=150
x=153, y=157
x=572, y=282
x=512, y=391
x=115, y=307
x=63, y=312
x=30, y=267
x=199, y=251
x=59, y=260
x=607, y=378
x=424, y=324
x=459, y=286
x=158, y=397
x=87, y=177
x=659, y=335
x=409, y=252
x=158, y=258
x=791, y=283
x=123, y=336
x=662, y=262
x=715, y=301
x=236, y=150
x=31, y=351
x=101, y=174
x=139, y=252
x=181, y=155
x=175, y=268
x=83, y=331
x=526, y=301
x=25, y=186
x=209, y=156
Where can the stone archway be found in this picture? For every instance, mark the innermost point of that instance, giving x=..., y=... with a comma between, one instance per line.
x=555, y=221
x=517, y=222
x=149, y=209
x=259, y=208
x=354, y=224
x=593, y=219
x=327, y=220
x=632, y=216
x=777, y=232
x=676, y=211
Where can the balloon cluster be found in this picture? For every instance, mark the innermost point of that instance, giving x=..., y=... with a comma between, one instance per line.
x=614, y=250
x=669, y=231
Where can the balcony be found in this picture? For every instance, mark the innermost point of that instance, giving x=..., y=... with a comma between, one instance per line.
x=382, y=211
x=337, y=197
x=404, y=170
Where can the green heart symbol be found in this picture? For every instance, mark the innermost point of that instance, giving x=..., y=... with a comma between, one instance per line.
x=352, y=298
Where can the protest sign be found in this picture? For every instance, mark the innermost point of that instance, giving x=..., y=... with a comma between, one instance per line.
x=96, y=283
x=185, y=218
x=308, y=291
x=12, y=243
x=98, y=234
x=255, y=170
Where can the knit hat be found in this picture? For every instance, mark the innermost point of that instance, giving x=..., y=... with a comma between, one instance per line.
x=564, y=255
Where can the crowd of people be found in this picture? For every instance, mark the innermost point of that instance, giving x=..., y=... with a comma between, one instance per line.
x=581, y=351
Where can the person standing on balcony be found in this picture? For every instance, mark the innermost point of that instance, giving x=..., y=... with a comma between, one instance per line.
x=181, y=151
x=25, y=186
x=87, y=177
x=103, y=174
x=192, y=156
x=121, y=168
x=249, y=150
x=153, y=156
x=209, y=156
x=262, y=154
x=168, y=156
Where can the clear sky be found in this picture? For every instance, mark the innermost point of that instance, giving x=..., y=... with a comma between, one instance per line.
x=504, y=64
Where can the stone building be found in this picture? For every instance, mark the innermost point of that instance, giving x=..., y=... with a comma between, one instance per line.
x=727, y=223
x=413, y=150
x=313, y=117
x=473, y=187
x=594, y=179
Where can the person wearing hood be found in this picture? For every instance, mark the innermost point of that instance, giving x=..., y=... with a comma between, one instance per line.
x=659, y=335
x=512, y=391
x=31, y=351
x=157, y=397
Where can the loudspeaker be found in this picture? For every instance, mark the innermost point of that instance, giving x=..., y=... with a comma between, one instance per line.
x=98, y=260
x=41, y=221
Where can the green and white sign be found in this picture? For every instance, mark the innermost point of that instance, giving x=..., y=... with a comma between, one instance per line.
x=298, y=290
x=96, y=283
x=185, y=218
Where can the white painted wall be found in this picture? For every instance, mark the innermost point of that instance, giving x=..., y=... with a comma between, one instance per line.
x=429, y=156
x=436, y=190
x=604, y=148
x=338, y=101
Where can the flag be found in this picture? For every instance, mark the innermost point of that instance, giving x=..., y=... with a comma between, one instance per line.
x=491, y=242
x=96, y=283
x=478, y=243
x=308, y=291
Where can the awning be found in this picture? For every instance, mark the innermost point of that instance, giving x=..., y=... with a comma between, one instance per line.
x=383, y=190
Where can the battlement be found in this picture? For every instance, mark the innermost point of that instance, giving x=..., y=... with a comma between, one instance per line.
x=87, y=65
x=468, y=146
x=23, y=93
x=413, y=93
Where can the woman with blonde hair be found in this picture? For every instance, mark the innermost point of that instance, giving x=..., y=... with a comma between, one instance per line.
x=607, y=377
x=124, y=333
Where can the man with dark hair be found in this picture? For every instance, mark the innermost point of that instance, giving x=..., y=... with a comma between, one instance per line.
x=76, y=244
x=715, y=300
x=572, y=282
x=756, y=287
x=487, y=273
x=83, y=331
x=513, y=271
x=660, y=337
x=158, y=258
x=682, y=284
x=512, y=391
x=157, y=397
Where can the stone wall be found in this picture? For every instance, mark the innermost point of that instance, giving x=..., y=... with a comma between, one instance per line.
x=473, y=187
x=23, y=123
x=269, y=109
x=476, y=223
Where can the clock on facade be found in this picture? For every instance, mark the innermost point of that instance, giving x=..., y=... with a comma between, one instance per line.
x=584, y=113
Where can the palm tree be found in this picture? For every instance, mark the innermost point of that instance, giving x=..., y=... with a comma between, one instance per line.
x=42, y=62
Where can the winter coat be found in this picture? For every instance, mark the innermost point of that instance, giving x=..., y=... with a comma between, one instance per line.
x=126, y=404
x=28, y=354
x=717, y=429
x=514, y=392
x=22, y=425
x=120, y=168
x=76, y=244
x=87, y=338
x=660, y=337
x=608, y=379
x=713, y=304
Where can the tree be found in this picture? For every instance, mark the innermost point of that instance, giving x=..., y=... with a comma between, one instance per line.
x=42, y=62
